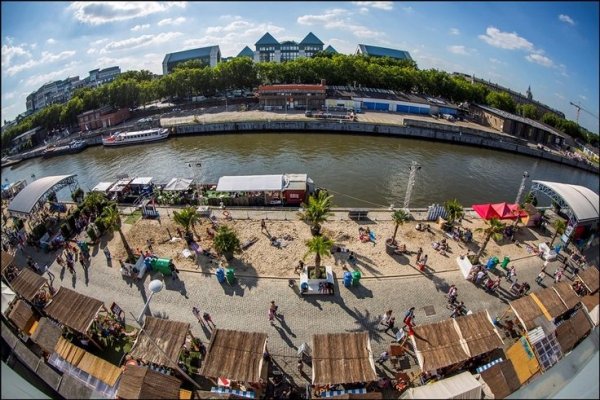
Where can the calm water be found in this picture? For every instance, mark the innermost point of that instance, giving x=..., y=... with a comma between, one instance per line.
x=362, y=171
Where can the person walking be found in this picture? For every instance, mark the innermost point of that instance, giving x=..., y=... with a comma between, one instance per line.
x=514, y=284
x=208, y=320
x=107, y=253
x=424, y=260
x=558, y=275
x=263, y=226
x=391, y=324
x=409, y=316
x=196, y=313
x=419, y=253
x=479, y=277
x=511, y=274
x=60, y=260
x=386, y=317
x=149, y=244
x=383, y=357
x=452, y=293
x=299, y=366
x=540, y=277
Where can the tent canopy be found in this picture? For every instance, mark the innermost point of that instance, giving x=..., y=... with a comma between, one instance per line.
x=178, y=184
x=143, y=383
x=549, y=302
x=168, y=335
x=7, y=297
x=509, y=211
x=26, y=201
x=527, y=311
x=47, y=334
x=250, y=183
x=461, y=386
x=102, y=186
x=566, y=294
x=581, y=201
x=142, y=180
x=342, y=358
x=485, y=211
x=73, y=309
x=235, y=355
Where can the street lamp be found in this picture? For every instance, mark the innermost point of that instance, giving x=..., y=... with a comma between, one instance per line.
x=154, y=286
x=525, y=176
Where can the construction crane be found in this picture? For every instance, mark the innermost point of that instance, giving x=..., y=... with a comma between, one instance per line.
x=579, y=108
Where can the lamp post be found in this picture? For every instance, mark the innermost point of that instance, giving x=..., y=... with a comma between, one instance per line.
x=525, y=176
x=154, y=286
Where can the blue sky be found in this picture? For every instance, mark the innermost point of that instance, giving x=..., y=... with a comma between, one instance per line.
x=552, y=46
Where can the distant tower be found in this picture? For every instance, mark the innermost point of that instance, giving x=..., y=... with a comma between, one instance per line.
x=529, y=95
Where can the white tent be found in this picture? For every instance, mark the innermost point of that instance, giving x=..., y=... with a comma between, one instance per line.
x=102, y=186
x=7, y=297
x=178, y=184
x=461, y=386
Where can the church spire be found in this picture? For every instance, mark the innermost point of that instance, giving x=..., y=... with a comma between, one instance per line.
x=529, y=95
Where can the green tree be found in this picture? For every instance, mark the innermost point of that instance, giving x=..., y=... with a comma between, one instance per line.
x=320, y=246
x=95, y=201
x=399, y=217
x=551, y=119
x=493, y=229
x=187, y=218
x=559, y=228
x=531, y=199
x=501, y=100
x=226, y=242
x=112, y=221
x=454, y=210
x=528, y=111
x=317, y=210
x=68, y=115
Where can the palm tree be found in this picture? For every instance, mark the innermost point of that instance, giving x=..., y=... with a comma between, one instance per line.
x=399, y=217
x=317, y=211
x=226, y=242
x=454, y=210
x=494, y=228
x=112, y=221
x=559, y=228
x=319, y=246
x=95, y=201
x=186, y=218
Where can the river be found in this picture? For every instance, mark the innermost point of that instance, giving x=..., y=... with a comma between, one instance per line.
x=361, y=171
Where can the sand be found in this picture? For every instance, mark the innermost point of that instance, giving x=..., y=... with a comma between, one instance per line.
x=263, y=259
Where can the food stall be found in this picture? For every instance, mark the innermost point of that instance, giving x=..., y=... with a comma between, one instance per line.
x=461, y=386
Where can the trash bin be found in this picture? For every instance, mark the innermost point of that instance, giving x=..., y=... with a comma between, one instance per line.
x=355, y=277
x=505, y=262
x=558, y=248
x=492, y=262
x=230, y=276
x=148, y=262
x=220, y=275
x=347, y=279
x=161, y=265
x=303, y=287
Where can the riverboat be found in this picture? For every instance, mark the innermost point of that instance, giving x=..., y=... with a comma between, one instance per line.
x=137, y=137
x=73, y=147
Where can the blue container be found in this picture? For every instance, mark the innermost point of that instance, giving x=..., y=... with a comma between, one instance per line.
x=492, y=262
x=347, y=279
x=304, y=287
x=557, y=248
x=220, y=275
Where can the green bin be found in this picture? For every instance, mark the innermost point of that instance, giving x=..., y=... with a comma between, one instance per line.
x=355, y=277
x=161, y=265
x=505, y=262
x=230, y=276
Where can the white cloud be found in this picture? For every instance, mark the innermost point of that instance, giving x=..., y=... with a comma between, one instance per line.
x=363, y=10
x=171, y=21
x=33, y=46
x=566, y=18
x=560, y=96
x=140, y=41
x=454, y=31
x=504, y=40
x=582, y=97
x=140, y=27
x=458, y=49
x=382, y=5
x=408, y=10
x=99, y=42
x=38, y=80
x=10, y=52
x=45, y=58
x=338, y=18
x=91, y=50
x=99, y=12
x=496, y=61
x=540, y=59
x=10, y=95
x=51, y=41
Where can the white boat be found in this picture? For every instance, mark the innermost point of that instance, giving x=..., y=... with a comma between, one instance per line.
x=137, y=137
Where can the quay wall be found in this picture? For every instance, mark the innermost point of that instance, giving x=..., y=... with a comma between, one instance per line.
x=411, y=129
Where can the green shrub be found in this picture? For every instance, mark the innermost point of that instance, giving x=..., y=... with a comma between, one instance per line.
x=92, y=234
x=100, y=225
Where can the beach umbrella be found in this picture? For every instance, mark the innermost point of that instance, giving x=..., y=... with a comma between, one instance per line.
x=485, y=211
x=503, y=210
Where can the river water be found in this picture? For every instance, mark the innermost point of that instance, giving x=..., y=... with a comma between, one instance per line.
x=361, y=171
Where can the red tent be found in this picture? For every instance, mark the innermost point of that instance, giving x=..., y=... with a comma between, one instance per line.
x=509, y=211
x=485, y=211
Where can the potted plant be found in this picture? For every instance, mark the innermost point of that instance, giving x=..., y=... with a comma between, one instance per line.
x=186, y=218
x=316, y=211
x=112, y=222
x=494, y=228
x=226, y=242
x=559, y=228
x=399, y=217
x=319, y=246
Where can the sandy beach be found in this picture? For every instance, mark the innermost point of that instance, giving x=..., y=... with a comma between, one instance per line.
x=263, y=259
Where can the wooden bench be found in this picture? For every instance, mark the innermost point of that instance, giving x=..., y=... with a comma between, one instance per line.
x=357, y=214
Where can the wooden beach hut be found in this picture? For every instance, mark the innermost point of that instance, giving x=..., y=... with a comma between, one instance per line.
x=527, y=312
x=23, y=317
x=523, y=360
x=573, y=330
x=566, y=294
x=342, y=358
x=46, y=336
x=169, y=336
x=590, y=278
x=549, y=303
x=235, y=361
x=590, y=302
x=500, y=380
x=143, y=383
x=29, y=285
x=75, y=311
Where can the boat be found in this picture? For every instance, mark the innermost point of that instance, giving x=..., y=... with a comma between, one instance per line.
x=73, y=147
x=10, y=161
x=136, y=137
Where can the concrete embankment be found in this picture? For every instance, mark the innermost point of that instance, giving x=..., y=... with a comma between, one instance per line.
x=414, y=129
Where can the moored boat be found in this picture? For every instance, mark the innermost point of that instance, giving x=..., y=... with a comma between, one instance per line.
x=137, y=137
x=73, y=147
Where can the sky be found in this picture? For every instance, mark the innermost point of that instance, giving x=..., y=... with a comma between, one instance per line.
x=551, y=46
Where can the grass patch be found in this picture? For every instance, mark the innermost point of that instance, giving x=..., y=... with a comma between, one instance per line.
x=192, y=362
x=134, y=217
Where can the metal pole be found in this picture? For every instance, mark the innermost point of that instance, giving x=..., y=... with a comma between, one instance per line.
x=139, y=320
x=525, y=176
x=414, y=167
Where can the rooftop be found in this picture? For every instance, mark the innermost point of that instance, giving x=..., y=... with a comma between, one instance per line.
x=189, y=54
x=528, y=121
x=311, y=39
x=266, y=39
x=246, y=52
x=377, y=51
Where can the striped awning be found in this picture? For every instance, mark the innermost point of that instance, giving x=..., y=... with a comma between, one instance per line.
x=243, y=393
x=333, y=393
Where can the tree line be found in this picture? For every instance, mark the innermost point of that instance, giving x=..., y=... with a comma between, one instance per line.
x=134, y=88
